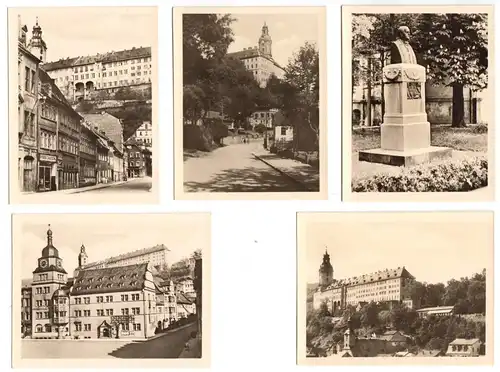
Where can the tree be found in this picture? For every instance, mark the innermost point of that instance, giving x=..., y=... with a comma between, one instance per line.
x=369, y=315
x=302, y=76
x=456, y=54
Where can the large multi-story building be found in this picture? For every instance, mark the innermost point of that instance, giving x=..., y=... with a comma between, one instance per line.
x=144, y=134
x=122, y=301
x=156, y=256
x=259, y=59
x=84, y=77
x=389, y=285
x=28, y=102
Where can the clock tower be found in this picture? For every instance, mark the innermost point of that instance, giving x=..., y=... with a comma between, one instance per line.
x=48, y=278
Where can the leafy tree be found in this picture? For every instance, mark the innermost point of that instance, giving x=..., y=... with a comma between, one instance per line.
x=455, y=50
x=369, y=315
x=302, y=76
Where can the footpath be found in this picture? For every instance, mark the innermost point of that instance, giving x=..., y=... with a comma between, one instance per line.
x=303, y=174
x=82, y=189
x=192, y=349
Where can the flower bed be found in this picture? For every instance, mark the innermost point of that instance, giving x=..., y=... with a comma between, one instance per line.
x=450, y=176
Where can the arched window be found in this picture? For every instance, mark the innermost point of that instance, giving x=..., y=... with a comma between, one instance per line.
x=38, y=328
x=48, y=328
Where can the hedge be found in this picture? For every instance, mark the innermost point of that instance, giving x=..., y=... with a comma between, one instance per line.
x=453, y=175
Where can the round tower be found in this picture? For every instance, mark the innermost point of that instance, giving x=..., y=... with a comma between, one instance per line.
x=326, y=271
x=37, y=46
x=82, y=257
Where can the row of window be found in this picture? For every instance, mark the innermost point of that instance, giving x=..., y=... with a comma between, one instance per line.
x=136, y=163
x=47, y=141
x=87, y=146
x=42, y=290
x=68, y=145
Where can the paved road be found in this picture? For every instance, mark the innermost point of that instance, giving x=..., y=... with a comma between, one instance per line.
x=167, y=346
x=134, y=184
x=234, y=169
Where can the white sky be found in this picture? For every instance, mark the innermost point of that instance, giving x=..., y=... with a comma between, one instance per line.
x=106, y=235
x=80, y=31
x=433, y=251
x=288, y=32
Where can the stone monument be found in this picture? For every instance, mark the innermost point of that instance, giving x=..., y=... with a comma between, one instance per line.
x=405, y=132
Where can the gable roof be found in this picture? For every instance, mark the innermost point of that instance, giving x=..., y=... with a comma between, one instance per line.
x=111, y=279
x=50, y=89
x=108, y=57
x=110, y=125
x=183, y=300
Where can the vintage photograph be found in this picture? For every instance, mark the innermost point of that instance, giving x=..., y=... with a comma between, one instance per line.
x=82, y=124
x=418, y=108
x=250, y=102
x=411, y=286
x=106, y=287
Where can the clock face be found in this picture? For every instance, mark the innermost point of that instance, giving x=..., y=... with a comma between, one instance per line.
x=43, y=263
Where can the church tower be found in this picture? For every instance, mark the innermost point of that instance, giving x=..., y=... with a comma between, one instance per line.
x=325, y=271
x=48, y=278
x=37, y=46
x=82, y=257
x=265, y=42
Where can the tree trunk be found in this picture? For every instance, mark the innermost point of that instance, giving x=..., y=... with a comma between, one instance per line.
x=382, y=100
x=369, y=94
x=457, y=118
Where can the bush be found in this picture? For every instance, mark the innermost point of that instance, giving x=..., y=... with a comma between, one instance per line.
x=480, y=128
x=451, y=176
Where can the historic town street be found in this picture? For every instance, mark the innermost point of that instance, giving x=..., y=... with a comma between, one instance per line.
x=132, y=185
x=169, y=345
x=233, y=168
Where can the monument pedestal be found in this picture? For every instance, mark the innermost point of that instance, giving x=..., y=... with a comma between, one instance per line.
x=405, y=132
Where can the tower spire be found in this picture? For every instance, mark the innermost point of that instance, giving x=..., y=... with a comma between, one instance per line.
x=49, y=236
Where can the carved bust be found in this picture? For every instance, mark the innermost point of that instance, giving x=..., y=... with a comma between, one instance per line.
x=401, y=50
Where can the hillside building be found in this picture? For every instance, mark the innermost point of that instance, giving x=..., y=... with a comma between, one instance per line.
x=389, y=285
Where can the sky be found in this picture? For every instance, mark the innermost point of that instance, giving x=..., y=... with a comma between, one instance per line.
x=433, y=250
x=288, y=32
x=106, y=235
x=79, y=31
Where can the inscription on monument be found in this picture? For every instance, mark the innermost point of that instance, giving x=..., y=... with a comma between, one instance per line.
x=413, y=91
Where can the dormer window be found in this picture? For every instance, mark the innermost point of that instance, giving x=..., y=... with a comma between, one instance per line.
x=99, y=280
x=133, y=283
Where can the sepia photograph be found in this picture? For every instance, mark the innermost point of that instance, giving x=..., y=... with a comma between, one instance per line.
x=418, y=97
x=95, y=289
x=250, y=103
x=410, y=288
x=83, y=122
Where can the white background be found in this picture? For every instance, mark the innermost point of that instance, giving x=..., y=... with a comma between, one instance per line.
x=253, y=243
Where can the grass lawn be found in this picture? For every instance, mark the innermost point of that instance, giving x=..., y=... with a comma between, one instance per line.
x=461, y=139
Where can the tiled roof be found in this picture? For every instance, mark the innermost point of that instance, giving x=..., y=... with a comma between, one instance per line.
x=464, y=341
x=47, y=81
x=111, y=279
x=139, y=252
x=121, y=55
x=183, y=300
x=251, y=53
x=109, y=124
x=26, y=282
x=372, y=277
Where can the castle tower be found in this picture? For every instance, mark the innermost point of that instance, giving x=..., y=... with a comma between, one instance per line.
x=48, y=278
x=265, y=42
x=326, y=271
x=37, y=46
x=82, y=257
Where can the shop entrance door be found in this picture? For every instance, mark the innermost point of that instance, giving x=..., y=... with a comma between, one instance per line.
x=44, y=181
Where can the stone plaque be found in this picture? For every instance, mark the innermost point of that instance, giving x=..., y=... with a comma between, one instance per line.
x=413, y=91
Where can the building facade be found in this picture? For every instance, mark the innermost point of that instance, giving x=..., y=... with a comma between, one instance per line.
x=87, y=77
x=101, y=302
x=156, y=256
x=28, y=103
x=259, y=59
x=88, y=156
x=389, y=285
x=136, y=160
x=462, y=347
x=144, y=134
